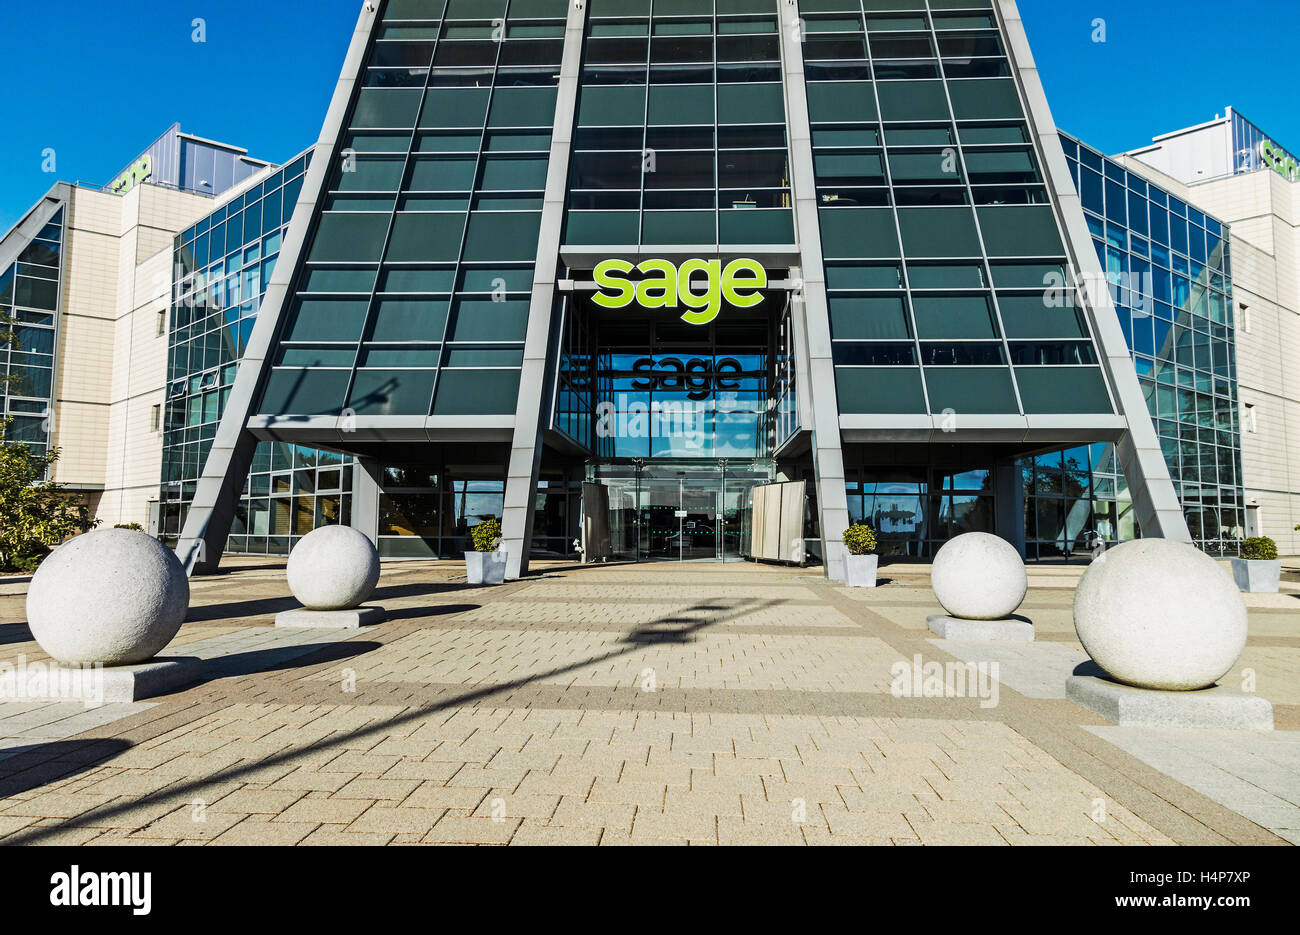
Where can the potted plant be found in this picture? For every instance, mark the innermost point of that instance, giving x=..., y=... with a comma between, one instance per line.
x=1258, y=570
x=860, y=563
x=487, y=563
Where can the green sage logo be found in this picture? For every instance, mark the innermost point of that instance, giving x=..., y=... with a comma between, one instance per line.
x=139, y=171
x=1278, y=159
x=664, y=285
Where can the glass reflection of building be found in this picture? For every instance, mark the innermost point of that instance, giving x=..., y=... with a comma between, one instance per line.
x=29, y=302
x=1169, y=272
x=223, y=264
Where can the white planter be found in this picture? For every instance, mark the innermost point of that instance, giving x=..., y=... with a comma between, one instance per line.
x=1257, y=576
x=860, y=570
x=485, y=567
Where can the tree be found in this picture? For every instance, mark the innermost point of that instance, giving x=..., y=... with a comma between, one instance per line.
x=35, y=514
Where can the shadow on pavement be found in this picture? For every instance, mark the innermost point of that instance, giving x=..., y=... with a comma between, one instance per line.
x=202, y=613
x=270, y=606
x=681, y=630
x=281, y=658
x=26, y=768
x=15, y=633
x=433, y=610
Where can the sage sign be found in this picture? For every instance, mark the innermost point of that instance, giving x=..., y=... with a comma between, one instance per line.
x=664, y=285
x=1278, y=159
x=139, y=171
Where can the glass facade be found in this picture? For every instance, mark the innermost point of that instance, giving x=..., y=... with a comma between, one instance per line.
x=693, y=177
x=915, y=510
x=668, y=390
x=1169, y=273
x=414, y=297
x=681, y=127
x=935, y=222
x=29, y=303
x=223, y=265
x=1073, y=498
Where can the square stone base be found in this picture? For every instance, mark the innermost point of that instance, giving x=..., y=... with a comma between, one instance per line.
x=954, y=628
x=1215, y=708
x=353, y=619
x=92, y=685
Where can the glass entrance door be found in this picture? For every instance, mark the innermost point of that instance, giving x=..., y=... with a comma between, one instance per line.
x=679, y=511
x=679, y=521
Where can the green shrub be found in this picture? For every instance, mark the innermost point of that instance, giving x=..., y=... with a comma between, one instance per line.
x=487, y=535
x=28, y=562
x=35, y=514
x=136, y=526
x=860, y=539
x=1259, y=548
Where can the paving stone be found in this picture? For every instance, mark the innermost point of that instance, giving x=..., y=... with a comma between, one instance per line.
x=573, y=812
x=332, y=811
x=456, y=830
x=652, y=824
x=513, y=805
x=333, y=836
x=190, y=823
x=778, y=703
x=961, y=834
x=309, y=779
x=260, y=832
x=392, y=789
x=532, y=833
x=435, y=795
x=256, y=801
x=396, y=819
x=628, y=793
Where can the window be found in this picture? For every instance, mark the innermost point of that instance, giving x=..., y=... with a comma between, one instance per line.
x=1248, y=418
x=1245, y=317
x=960, y=317
x=155, y=419
x=162, y=323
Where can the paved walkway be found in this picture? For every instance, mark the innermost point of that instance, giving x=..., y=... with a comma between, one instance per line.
x=696, y=704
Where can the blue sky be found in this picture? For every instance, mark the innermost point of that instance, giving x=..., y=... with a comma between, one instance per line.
x=97, y=82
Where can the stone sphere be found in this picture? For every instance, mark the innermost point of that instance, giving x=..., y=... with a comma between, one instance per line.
x=333, y=568
x=978, y=576
x=114, y=596
x=1160, y=614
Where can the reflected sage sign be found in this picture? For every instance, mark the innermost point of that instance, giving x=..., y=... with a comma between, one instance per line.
x=665, y=285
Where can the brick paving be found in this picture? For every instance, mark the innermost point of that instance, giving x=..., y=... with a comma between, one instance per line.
x=696, y=704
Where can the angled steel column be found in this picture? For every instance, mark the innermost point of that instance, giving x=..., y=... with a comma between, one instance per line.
x=534, y=393
x=1159, y=513
x=818, y=379
x=207, y=525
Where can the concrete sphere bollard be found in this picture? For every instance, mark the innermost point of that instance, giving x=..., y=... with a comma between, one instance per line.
x=333, y=568
x=113, y=596
x=1160, y=614
x=978, y=576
